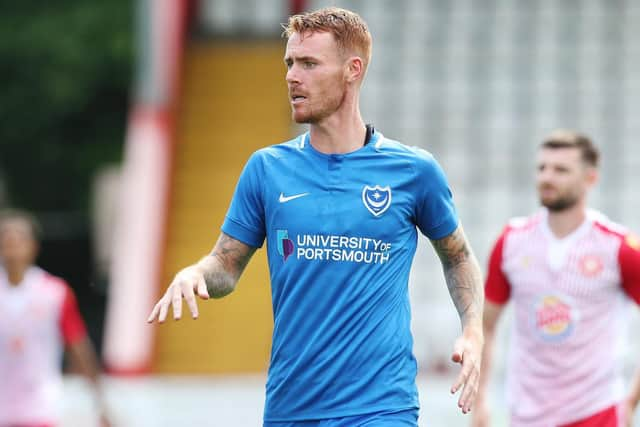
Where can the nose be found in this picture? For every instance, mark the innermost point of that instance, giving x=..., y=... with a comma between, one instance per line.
x=292, y=75
x=545, y=175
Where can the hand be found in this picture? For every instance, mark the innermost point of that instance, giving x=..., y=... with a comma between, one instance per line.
x=468, y=352
x=628, y=408
x=481, y=416
x=186, y=282
x=104, y=421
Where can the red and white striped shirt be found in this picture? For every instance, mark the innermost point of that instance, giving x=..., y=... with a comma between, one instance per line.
x=570, y=297
x=37, y=318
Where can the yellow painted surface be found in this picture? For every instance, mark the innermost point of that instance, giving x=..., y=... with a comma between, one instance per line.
x=233, y=102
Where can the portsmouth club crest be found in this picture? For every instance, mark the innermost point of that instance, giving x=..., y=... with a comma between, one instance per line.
x=376, y=199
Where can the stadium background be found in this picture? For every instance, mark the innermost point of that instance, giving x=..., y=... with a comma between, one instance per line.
x=127, y=124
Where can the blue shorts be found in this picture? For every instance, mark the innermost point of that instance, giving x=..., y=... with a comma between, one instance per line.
x=407, y=418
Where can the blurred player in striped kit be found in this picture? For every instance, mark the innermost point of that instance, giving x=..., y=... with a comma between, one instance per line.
x=570, y=272
x=39, y=317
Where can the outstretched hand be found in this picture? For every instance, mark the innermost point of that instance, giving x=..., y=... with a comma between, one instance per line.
x=468, y=353
x=104, y=421
x=187, y=283
x=628, y=410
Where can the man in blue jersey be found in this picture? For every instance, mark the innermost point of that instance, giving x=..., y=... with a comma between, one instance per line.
x=339, y=207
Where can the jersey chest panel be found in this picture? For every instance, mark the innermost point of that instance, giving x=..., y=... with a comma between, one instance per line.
x=555, y=298
x=339, y=205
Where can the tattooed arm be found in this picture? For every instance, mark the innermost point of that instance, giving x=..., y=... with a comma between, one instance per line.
x=462, y=274
x=464, y=280
x=214, y=276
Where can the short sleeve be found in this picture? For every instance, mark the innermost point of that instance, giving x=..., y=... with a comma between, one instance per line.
x=72, y=325
x=497, y=288
x=629, y=259
x=245, y=218
x=436, y=215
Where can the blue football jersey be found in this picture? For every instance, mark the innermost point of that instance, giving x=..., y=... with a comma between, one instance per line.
x=341, y=232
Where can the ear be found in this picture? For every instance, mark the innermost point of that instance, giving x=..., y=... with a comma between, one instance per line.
x=35, y=250
x=354, y=69
x=592, y=176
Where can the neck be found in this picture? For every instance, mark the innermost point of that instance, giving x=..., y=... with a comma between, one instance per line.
x=564, y=222
x=342, y=132
x=15, y=274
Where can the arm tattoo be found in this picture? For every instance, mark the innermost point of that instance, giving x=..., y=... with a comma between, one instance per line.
x=229, y=258
x=462, y=274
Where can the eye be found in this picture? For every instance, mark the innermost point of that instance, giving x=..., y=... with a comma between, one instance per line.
x=309, y=65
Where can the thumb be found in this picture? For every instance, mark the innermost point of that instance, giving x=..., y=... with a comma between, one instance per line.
x=458, y=351
x=201, y=289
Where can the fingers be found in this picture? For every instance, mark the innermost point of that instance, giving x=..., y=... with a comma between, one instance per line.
x=456, y=356
x=164, y=307
x=190, y=299
x=468, y=378
x=176, y=302
x=189, y=296
x=468, y=395
x=159, y=310
x=181, y=287
x=461, y=379
x=154, y=313
x=202, y=289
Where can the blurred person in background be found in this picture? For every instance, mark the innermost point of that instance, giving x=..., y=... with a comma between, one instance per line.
x=570, y=273
x=339, y=207
x=39, y=317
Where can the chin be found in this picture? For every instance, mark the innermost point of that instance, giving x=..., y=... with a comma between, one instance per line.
x=558, y=205
x=546, y=202
x=305, y=119
x=300, y=118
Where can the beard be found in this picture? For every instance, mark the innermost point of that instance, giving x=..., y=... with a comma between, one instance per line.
x=560, y=203
x=315, y=114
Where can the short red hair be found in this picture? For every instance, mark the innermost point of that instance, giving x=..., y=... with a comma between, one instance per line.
x=349, y=30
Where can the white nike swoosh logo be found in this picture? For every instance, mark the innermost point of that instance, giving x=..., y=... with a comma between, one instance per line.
x=285, y=199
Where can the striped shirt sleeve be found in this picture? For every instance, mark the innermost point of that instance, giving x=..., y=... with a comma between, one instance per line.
x=629, y=260
x=72, y=325
x=497, y=287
